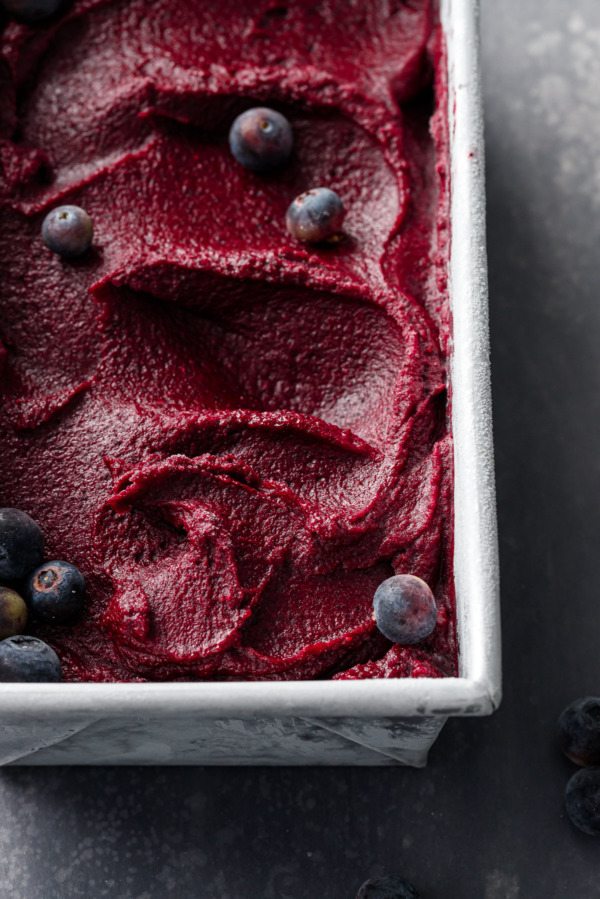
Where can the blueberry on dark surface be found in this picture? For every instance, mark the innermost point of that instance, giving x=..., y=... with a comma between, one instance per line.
x=579, y=731
x=13, y=613
x=316, y=215
x=582, y=799
x=21, y=544
x=31, y=10
x=27, y=659
x=389, y=887
x=405, y=609
x=261, y=139
x=55, y=592
x=68, y=231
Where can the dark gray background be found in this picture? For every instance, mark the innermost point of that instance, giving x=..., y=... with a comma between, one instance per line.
x=485, y=819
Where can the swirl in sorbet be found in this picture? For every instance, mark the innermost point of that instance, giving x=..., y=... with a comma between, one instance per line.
x=236, y=437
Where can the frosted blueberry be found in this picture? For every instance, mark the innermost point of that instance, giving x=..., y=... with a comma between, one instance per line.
x=55, y=592
x=68, y=231
x=582, y=799
x=21, y=544
x=405, y=609
x=316, y=215
x=261, y=139
x=579, y=731
x=388, y=887
x=13, y=613
x=27, y=659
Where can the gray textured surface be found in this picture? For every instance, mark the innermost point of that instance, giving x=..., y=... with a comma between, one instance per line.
x=231, y=741
x=485, y=820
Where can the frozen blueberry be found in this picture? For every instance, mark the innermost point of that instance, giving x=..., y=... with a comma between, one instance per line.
x=31, y=10
x=405, y=610
x=28, y=659
x=582, y=799
x=261, y=139
x=21, y=544
x=579, y=731
x=13, y=613
x=316, y=215
x=388, y=887
x=68, y=231
x=55, y=592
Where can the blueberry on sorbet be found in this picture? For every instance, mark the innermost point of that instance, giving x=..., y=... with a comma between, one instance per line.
x=55, y=592
x=27, y=659
x=388, y=887
x=68, y=231
x=261, y=139
x=582, y=799
x=405, y=609
x=579, y=731
x=13, y=613
x=316, y=215
x=31, y=10
x=21, y=544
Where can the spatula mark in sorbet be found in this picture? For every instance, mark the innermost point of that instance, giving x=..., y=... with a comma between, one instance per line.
x=236, y=436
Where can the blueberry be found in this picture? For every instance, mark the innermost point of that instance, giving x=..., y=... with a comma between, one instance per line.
x=315, y=215
x=405, y=609
x=13, y=613
x=68, y=231
x=55, y=592
x=579, y=731
x=31, y=10
x=389, y=887
x=261, y=139
x=28, y=659
x=582, y=799
x=21, y=544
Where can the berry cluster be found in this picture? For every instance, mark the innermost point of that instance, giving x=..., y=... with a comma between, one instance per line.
x=50, y=592
x=261, y=140
x=579, y=739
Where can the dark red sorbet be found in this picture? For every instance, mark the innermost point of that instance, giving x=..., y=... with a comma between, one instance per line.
x=234, y=436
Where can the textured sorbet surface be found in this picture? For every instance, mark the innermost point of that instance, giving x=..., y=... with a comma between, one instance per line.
x=236, y=437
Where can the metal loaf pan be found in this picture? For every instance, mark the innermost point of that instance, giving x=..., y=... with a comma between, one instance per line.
x=368, y=722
